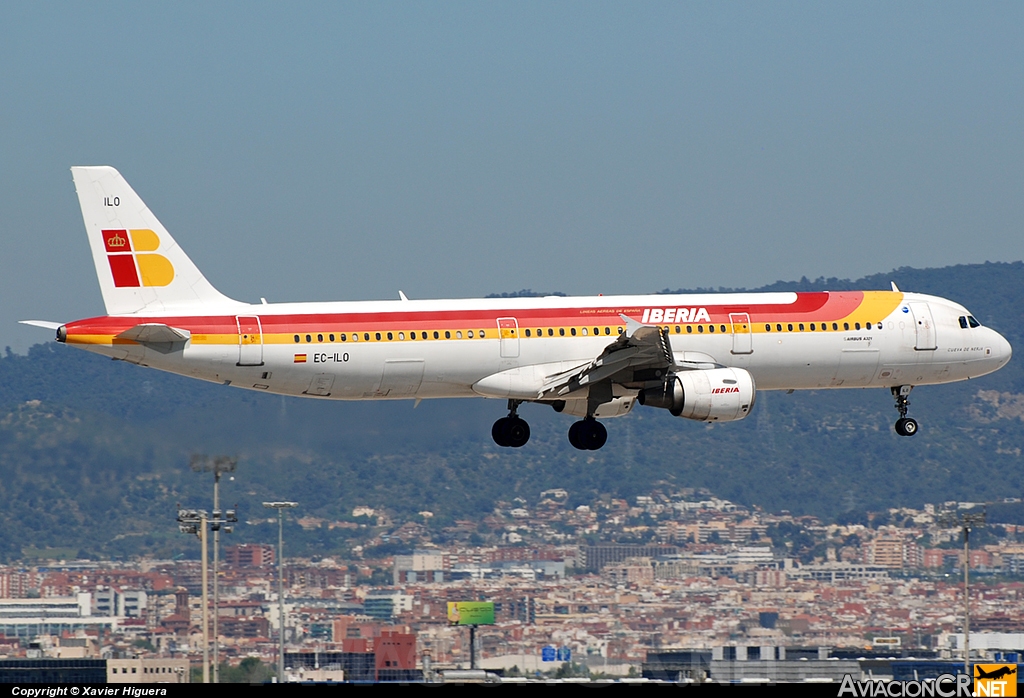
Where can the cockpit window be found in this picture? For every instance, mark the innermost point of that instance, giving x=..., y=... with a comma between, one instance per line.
x=963, y=321
x=972, y=322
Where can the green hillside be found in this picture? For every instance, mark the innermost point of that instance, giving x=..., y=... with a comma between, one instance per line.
x=94, y=453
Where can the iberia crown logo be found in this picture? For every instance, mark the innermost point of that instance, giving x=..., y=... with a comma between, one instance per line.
x=131, y=262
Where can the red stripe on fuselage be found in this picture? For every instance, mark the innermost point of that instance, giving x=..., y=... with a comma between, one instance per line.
x=819, y=306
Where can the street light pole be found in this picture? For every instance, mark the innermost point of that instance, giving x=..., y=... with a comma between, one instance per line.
x=217, y=465
x=194, y=521
x=280, y=506
x=206, y=609
x=965, y=522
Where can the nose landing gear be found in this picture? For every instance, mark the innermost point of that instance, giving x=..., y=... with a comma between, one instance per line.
x=905, y=426
x=511, y=431
x=588, y=434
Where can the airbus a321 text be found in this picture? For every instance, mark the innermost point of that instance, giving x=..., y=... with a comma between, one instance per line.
x=701, y=357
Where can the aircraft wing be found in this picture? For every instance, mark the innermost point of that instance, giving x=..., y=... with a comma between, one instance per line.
x=640, y=347
x=155, y=333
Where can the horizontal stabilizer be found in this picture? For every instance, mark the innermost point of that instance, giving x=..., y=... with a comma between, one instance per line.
x=41, y=323
x=155, y=333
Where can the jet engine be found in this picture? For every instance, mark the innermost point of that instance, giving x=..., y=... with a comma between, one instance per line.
x=712, y=395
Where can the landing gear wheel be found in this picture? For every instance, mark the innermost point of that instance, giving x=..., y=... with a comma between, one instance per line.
x=498, y=432
x=905, y=426
x=574, y=436
x=597, y=435
x=511, y=431
x=588, y=434
x=515, y=432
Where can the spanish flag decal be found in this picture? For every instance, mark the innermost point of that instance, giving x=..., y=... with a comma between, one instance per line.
x=300, y=358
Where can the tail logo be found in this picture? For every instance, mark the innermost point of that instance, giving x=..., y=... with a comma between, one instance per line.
x=132, y=263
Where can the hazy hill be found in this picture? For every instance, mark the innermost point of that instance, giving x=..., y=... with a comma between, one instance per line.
x=93, y=453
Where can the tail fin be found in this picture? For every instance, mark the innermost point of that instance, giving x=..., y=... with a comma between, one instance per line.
x=139, y=265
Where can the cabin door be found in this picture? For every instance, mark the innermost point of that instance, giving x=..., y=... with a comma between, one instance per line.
x=925, y=326
x=250, y=341
x=508, y=331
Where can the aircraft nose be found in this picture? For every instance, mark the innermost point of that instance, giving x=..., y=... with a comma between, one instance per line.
x=1001, y=349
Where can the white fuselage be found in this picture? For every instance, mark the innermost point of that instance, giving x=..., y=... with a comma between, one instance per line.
x=298, y=349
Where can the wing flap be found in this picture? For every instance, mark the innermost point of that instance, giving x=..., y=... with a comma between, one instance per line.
x=642, y=347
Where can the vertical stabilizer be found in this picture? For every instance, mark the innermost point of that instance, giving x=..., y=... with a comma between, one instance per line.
x=140, y=267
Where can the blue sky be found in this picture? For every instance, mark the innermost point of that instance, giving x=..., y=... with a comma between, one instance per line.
x=325, y=151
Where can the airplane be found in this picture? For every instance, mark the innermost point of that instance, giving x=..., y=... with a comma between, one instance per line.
x=700, y=356
x=1005, y=670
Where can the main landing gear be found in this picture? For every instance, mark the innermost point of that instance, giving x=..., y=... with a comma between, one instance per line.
x=588, y=434
x=511, y=431
x=905, y=426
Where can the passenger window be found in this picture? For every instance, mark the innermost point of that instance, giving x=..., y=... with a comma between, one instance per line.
x=620, y=330
x=573, y=331
x=377, y=336
x=700, y=329
x=447, y=334
x=561, y=331
x=835, y=325
x=767, y=328
x=856, y=325
x=401, y=335
x=597, y=331
x=470, y=334
x=677, y=329
x=527, y=333
x=436, y=335
x=689, y=329
x=319, y=338
x=812, y=327
x=868, y=326
x=412, y=335
x=789, y=327
x=458, y=334
x=801, y=327
x=846, y=326
x=343, y=336
x=331, y=337
x=481, y=334
x=355, y=337
x=308, y=339
x=297, y=336
x=607, y=330
x=972, y=322
x=711, y=328
x=723, y=328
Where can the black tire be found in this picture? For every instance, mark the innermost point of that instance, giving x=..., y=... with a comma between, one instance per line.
x=596, y=435
x=574, y=436
x=498, y=432
x=515, y=432
x=909, y=427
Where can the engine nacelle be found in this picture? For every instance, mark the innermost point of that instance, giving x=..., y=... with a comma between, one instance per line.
x=712, y=395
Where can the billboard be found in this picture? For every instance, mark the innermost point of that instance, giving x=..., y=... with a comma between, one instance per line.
x=470, y=613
